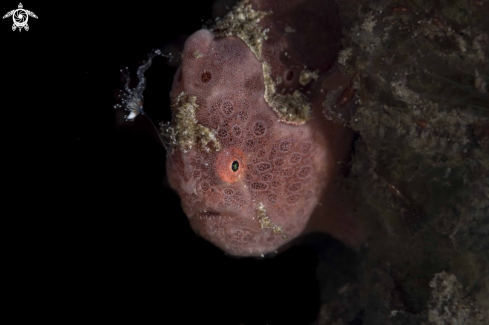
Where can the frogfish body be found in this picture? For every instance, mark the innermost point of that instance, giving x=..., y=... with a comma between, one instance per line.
x=252, y=152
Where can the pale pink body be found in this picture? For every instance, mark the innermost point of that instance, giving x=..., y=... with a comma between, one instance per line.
x=287, y=169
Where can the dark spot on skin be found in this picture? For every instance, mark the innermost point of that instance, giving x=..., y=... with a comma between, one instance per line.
x=222, y=133
x=306, y=147
x=289, y=75
x=250, y=144
x=206, y=76
x=279, y=162
x=284, y=146
x=295, y=158
x=258, y=186
x=228, y=191
x=267, y=177
x=292, y=199
x=259, y=129
x=304, y=172
x=227, y=107
x=263, y=166
x=237, y=130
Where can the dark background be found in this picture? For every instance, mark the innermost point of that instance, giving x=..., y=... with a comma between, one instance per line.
x=93, y=231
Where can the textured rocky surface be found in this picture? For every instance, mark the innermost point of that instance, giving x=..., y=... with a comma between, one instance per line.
x=421, y=166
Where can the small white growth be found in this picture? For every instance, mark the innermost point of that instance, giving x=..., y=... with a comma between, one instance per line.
x=186, y=132
x=480, y=83
x=478, y=46
x=289, y=29
x=266, y=223
x=344, y=55
x=197, y=54
x=307, y=76
x=242, y=21
x=449, y=303
x=404, y=94
x=369, y=23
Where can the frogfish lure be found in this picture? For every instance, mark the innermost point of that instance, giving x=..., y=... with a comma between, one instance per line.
x=257, y=138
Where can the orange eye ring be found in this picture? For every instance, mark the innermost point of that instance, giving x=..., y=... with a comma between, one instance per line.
x=230, y=165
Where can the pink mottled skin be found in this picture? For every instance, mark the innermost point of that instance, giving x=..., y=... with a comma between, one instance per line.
x=290, y=169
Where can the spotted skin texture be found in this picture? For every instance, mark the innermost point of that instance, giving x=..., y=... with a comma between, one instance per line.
x=287, y=169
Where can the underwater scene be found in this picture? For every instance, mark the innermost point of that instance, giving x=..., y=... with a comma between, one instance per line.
x=309, y=162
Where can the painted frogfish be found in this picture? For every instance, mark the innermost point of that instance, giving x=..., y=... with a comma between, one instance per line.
x=258, y=137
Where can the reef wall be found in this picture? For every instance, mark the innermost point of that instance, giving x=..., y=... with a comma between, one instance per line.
x=420, y=168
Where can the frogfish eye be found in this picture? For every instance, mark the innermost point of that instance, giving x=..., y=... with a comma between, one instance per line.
x=229, y=165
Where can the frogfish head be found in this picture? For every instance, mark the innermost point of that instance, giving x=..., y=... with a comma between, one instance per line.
x=247, y=182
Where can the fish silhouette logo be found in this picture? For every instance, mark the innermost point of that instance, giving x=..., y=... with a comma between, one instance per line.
x=20, y=17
